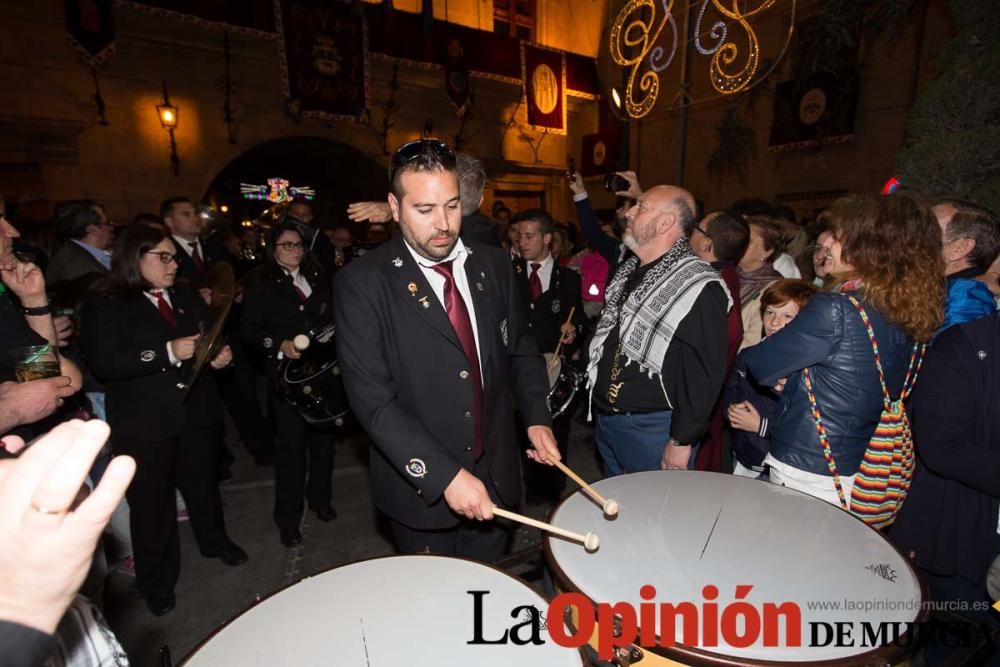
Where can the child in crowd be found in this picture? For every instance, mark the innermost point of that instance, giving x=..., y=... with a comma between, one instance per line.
x=748, y=405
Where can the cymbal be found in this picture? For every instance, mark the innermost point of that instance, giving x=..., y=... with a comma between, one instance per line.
x=223, y=284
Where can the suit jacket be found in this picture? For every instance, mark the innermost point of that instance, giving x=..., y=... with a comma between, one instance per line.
x=125, y=341
x=547, y=314
x=477, y=227
x=949, y=518
x=407, y=378
x=272, y=311
x=69, y=263
x=187, y=273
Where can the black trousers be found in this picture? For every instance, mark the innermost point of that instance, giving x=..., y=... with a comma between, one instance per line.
x=188, y=462
x=544, y=482
x=300, y=448
x=238, y=386
x=484, y=541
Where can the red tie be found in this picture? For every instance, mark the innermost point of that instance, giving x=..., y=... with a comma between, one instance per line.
x=196, y=257
x=534, y=281
x=458, y=314
x=165, y=309
x=298, y=290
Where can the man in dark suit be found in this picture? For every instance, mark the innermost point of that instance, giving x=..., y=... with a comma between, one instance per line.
x=551, y=292
x=434, y=346
x=237, y=384
x=88, y=236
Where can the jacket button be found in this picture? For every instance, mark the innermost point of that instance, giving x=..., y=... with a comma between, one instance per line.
x=468, y=415
x=302, y=307
x=420, y=492
x=468, y=449
x=464, y=375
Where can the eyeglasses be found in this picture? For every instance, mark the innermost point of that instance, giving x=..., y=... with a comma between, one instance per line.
x=698, y=228
x=164, y=257
x=289, y=246
x=415, y=149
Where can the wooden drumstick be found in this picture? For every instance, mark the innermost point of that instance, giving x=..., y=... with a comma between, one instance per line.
x=590, y=541
x=559, y=346
x=610, y=507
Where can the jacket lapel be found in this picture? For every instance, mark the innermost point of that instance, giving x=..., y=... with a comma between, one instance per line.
x=409, y=284
x=479, y=288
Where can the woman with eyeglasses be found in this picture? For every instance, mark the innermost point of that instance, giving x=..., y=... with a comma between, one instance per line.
x=139, y=332
x=290, y=295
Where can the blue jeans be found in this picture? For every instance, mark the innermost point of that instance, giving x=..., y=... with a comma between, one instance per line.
x=633, y=442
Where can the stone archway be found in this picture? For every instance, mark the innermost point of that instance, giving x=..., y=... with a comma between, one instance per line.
x=337, y=172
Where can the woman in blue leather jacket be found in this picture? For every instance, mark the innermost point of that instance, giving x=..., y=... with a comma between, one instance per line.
x=886, y=253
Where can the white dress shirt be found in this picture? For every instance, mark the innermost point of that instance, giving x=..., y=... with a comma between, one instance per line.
x=457, y=256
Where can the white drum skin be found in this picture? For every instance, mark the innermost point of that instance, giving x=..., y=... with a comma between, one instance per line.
x=680, y=531
x=400, y=610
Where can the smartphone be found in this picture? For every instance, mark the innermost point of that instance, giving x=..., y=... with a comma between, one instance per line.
x=615, y=183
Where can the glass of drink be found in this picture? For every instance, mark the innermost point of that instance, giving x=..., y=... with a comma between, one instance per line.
x=35, y=362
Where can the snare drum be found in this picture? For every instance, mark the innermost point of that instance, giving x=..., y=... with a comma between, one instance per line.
x=680, y=531
x=564, y=380
x=312, y=384
x=401, y=610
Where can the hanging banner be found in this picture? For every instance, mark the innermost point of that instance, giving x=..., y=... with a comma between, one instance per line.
x=543, y=76
x=91, y=29
x=816, y=111
x=324, y=52
x=456, y=75
x=247, y=17
x=599, y=154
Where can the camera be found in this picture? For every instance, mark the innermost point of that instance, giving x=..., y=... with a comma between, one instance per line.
x=615, y=183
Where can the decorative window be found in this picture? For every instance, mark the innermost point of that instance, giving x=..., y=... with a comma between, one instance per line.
x=515, y=18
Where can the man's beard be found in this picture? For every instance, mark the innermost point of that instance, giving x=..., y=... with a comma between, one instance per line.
x=428, y=251
x=635, y=238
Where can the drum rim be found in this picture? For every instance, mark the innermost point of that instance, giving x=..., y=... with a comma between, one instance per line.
x=229, y=621
x=698, y=657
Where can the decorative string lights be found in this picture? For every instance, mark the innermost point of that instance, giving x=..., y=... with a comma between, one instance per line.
x=637, y=29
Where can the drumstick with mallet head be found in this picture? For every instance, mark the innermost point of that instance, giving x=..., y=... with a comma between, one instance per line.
x=559, y=346
x=610, y=507
x=590, y=541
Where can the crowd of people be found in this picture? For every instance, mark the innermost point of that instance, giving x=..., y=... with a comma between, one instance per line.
x=739, y=341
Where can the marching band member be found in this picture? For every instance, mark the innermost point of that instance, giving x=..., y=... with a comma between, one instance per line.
x=139, y=333
x=286, y=297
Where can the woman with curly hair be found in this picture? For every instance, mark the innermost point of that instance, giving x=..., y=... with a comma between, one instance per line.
x=886, y=257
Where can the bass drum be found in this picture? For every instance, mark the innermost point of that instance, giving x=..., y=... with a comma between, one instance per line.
x=312, y=384
x=564, y=380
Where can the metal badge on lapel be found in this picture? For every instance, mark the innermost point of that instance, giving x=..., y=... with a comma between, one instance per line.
x=413, y=288
x=423, y=302
x=398, y=262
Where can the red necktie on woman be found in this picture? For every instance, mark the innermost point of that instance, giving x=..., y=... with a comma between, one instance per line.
x=165, y=309
x=458, y=314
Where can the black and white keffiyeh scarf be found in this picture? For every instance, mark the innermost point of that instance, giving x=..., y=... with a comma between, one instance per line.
x=649, y=316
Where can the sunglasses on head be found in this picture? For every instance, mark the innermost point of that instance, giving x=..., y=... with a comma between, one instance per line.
x=421, y=147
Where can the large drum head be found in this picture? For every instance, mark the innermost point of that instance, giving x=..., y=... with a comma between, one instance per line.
x=680, y=531
x=403, y=610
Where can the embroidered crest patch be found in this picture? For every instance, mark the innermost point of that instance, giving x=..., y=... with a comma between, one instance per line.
x=556, y=306
x=147, y=355
x=503, y=330
x=416, y=468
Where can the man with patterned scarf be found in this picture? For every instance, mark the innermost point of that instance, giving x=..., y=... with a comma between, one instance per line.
x=658, y=358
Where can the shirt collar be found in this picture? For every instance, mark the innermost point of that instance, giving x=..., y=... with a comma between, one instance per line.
x=185, y=244
x=458, y=251
x=545, y=264
x=93, y=250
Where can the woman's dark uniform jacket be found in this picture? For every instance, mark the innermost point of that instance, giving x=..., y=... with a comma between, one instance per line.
x=407, y=378
x=125, y=340
x=272, y=311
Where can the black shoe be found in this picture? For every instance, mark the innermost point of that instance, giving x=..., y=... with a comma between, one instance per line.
x=161, y=604
x=325, y=513
x=291, y=537
x=233, y=555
